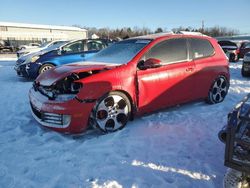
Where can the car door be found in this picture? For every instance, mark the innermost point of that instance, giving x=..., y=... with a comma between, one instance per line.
x=170, y=84
x=202, y=51
x=72, y=52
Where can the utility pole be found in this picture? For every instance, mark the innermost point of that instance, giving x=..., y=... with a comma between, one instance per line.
x=202, y=26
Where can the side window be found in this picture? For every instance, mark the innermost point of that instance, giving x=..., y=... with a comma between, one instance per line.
x=169, y=51
x=75, y=47
x=95, y=45
x=200, y=48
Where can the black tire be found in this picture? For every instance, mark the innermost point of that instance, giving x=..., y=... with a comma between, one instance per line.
x=244, y=73
x=45, y=67
x=218, y=90
x=238, y=57
x=232, y=57
x=108, y=116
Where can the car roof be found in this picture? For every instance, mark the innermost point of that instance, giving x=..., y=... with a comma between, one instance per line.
x=170, y=34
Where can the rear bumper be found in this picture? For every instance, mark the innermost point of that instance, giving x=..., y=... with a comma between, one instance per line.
x=71, y=116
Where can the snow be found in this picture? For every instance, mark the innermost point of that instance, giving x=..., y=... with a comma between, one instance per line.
x=174, y=148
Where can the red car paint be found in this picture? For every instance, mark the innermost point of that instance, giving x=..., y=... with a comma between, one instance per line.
x=148, y=90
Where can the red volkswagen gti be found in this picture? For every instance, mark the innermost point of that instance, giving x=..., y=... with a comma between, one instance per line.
x=130, y=78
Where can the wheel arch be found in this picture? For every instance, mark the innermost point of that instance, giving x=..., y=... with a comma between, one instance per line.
x=44, y=63
x=133, y=105
x=48, y=62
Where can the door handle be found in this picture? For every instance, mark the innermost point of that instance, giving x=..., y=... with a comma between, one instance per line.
x=189, y=69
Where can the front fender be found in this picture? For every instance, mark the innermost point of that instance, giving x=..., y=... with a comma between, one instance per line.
x=94, y=90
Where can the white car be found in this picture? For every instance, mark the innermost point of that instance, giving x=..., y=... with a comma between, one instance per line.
x=37, y=49
x=30, y=45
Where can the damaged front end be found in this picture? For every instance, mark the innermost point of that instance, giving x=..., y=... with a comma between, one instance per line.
x=64, y=89
x=53, y=106
x=236, y=136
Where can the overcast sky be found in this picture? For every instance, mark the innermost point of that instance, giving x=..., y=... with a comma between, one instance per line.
x=142, y=13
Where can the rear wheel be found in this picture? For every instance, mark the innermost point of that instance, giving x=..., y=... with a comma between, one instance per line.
x=218, y=90
x=112, y=112
x=45, y=67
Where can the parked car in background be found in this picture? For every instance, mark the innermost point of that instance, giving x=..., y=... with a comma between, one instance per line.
x=243, y=49
x=28, y=46
x=236, y=136
x=32, y=65
x=245, y=70
x=45, y=45
x=6, y=47
x=230, y=48
x=129, y=78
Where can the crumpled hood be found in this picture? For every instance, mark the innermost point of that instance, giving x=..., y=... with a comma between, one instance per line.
x=55, y=74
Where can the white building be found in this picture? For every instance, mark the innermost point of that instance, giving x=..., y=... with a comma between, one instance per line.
x=21, y=33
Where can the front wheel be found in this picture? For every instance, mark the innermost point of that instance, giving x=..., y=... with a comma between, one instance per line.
x=45, y=67
x=111, y=112
x=218, y=90
x=235, y=179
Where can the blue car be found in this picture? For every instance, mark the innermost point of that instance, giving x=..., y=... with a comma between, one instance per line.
x=31, y=65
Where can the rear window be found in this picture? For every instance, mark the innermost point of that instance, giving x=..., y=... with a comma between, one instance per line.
x=200, y=48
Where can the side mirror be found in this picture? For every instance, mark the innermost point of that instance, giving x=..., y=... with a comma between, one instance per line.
x=150, y=63
x=59, y=51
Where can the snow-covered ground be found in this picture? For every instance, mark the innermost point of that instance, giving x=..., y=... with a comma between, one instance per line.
x=175, y=148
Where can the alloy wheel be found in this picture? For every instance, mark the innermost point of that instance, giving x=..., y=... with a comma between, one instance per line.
x=112, y=113
x=45, y=68
x=219, y=90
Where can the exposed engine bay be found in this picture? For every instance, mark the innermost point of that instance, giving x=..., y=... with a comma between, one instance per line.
x=68, y=86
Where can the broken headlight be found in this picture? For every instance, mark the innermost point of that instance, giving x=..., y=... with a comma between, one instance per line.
x=63, y=90
x=67, y=88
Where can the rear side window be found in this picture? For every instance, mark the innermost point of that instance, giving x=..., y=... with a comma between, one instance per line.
x=95, y=45
x=200, y=48
x=74, y=47
x=169, y=51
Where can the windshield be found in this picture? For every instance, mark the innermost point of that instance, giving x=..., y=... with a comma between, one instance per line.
x=120, y=52
x=44, y=44
x=57, y=43
x=54, y=47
